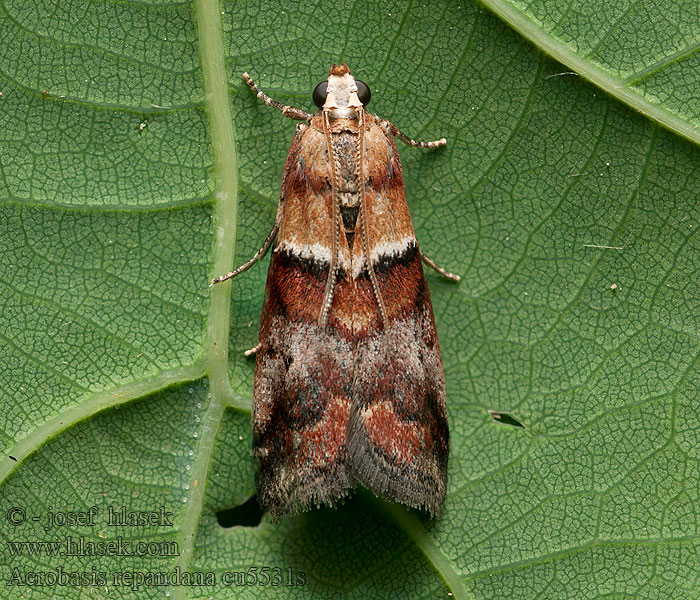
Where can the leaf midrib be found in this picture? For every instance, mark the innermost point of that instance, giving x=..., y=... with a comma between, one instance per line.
x=223, y=142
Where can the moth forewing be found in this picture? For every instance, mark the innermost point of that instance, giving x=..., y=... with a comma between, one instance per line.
x=349, y=383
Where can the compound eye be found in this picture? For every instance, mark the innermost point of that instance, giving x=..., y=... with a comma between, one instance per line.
x=363, y=92
x=319, y=94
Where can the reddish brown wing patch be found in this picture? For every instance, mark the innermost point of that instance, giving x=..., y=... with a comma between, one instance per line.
x=303, y=374
x=357, y=400
x=398, y=435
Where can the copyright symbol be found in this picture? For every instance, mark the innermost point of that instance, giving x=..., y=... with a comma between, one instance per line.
x=16, y=516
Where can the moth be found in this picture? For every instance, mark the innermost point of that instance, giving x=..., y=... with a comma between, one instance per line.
x=349, y=384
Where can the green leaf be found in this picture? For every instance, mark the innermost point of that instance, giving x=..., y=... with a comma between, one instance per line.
x=643, y=53
x=135, y=162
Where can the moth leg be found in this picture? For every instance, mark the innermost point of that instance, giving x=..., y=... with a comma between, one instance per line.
x=288, y=111
x=394, y=130
x=250, y=262
x=433, y=265
x=253, y=350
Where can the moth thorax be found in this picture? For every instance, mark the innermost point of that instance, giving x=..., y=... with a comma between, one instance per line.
x=345, y=151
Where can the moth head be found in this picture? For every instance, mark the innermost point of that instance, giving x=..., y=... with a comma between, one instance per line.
x=342, y=96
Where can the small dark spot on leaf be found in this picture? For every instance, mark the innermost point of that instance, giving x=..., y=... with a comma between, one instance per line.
x=248, y=514
x=12, y=457
x=505, y=419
